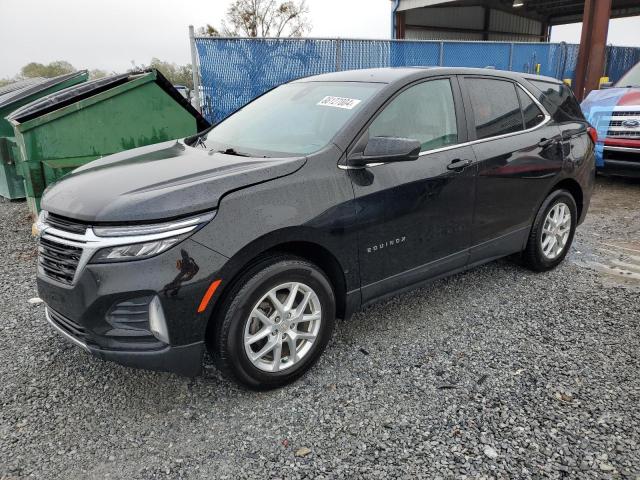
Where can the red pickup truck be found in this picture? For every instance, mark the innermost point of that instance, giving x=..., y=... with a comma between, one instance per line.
x=615, y=113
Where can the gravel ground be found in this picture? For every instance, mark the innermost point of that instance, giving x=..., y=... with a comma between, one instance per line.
x=493, y=373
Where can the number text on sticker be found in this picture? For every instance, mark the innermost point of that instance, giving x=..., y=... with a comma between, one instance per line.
x=339, y=102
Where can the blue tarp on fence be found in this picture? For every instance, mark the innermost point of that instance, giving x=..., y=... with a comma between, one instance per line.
x=233, y=71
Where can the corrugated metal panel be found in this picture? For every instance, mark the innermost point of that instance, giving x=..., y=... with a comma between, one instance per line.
x=507, y=22
x=409, y=4
x=27, y=82
x=419, y=34
x=451, y=17
x=512, y=27
x=509, y=37
x=558, y=12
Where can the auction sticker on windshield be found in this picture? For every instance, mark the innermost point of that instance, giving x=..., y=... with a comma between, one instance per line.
x=339, y=102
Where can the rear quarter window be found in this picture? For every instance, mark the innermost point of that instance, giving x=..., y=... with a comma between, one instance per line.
x=558, y=99
x=532, y=114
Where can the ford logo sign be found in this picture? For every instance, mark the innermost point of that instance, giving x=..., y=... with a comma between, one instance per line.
x=631, y=123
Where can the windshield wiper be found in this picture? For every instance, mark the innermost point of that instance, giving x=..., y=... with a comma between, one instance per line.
x=199, y=142
x=232, y=151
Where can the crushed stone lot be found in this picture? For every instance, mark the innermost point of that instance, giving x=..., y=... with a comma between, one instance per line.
x=497, y=372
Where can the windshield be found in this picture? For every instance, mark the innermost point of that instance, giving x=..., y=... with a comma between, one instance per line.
x=631, y=78
x=293, y=119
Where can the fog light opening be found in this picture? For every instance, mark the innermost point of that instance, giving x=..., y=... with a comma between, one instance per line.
x=157, y=322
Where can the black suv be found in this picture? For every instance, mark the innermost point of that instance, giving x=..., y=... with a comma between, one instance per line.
x=321, y=196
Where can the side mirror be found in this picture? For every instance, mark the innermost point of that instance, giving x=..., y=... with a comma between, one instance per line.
x=387, y=150
x=605, y=85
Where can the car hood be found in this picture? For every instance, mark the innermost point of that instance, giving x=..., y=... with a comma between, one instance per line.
x=609, y=98
x=156, y=182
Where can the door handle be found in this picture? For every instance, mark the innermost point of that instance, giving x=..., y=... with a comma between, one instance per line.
x=458, y=164
x=546, y=142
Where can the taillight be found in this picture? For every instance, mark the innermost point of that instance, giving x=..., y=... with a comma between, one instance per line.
x=593, y=133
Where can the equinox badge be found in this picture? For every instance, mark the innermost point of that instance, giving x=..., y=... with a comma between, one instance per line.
x=389, y=243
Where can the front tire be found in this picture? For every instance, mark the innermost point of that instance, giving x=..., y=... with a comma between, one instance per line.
x=552, y=232
x=275, y=322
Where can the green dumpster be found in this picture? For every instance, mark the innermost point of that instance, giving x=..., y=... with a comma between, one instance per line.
x=12, y=97
x=65, y=130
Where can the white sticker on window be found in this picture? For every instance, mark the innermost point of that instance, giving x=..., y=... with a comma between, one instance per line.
x=339, y=102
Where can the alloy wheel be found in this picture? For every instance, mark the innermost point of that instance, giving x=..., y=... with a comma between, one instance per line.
x=556, y=231
x=282, y=327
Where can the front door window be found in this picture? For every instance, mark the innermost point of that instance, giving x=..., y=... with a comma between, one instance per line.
x=424, y=112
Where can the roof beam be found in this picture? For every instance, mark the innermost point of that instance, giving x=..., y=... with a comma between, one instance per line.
x=552, y=12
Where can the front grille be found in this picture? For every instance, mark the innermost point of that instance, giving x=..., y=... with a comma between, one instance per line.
x=66, y=224
x=614, y=121
x=58, y=261
x=623, y=134
x=631, y=157
x=69, y=326
x=620, y=113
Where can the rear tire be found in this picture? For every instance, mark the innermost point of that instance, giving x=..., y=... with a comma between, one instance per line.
x=266, y=335
x=552, y=232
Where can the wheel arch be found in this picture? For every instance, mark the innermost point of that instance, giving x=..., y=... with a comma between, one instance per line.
x=569, y=184
x=300, y=245
x=574, y=188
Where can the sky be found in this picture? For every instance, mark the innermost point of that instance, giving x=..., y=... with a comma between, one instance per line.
x=111, y=34
x=622, y=32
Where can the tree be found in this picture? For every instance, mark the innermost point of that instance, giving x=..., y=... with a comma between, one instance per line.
x=53, y=69
x=208, y=31
x=176, y=74
x=263, y=18
x=98, y=73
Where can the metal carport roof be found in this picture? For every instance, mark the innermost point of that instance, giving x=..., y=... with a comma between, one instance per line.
x=551, y=12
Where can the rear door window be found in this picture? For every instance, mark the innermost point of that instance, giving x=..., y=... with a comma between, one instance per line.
x=496, y=108
x=425, y=112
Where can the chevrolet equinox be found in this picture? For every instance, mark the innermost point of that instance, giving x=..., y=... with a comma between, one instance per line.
x=317, y=198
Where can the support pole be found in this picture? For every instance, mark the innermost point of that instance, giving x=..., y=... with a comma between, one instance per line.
x=511, y=56
x=195, y=72
x=544, y=32
x=394, y=18
x=595, y=26
x=583, y=52
x=596, y=65
x=401, y=25
x=487, y=23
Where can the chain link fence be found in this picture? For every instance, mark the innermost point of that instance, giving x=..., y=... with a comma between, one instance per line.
x=621, y=59
x=233, y=71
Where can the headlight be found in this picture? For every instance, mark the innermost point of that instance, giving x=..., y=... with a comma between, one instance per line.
x=187, y=224
x=136, y=242
x=39, y=225
x=135, y=251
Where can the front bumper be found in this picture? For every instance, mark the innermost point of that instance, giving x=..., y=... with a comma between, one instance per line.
x=184, y=360
x=107, y=309
x=621, y=161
